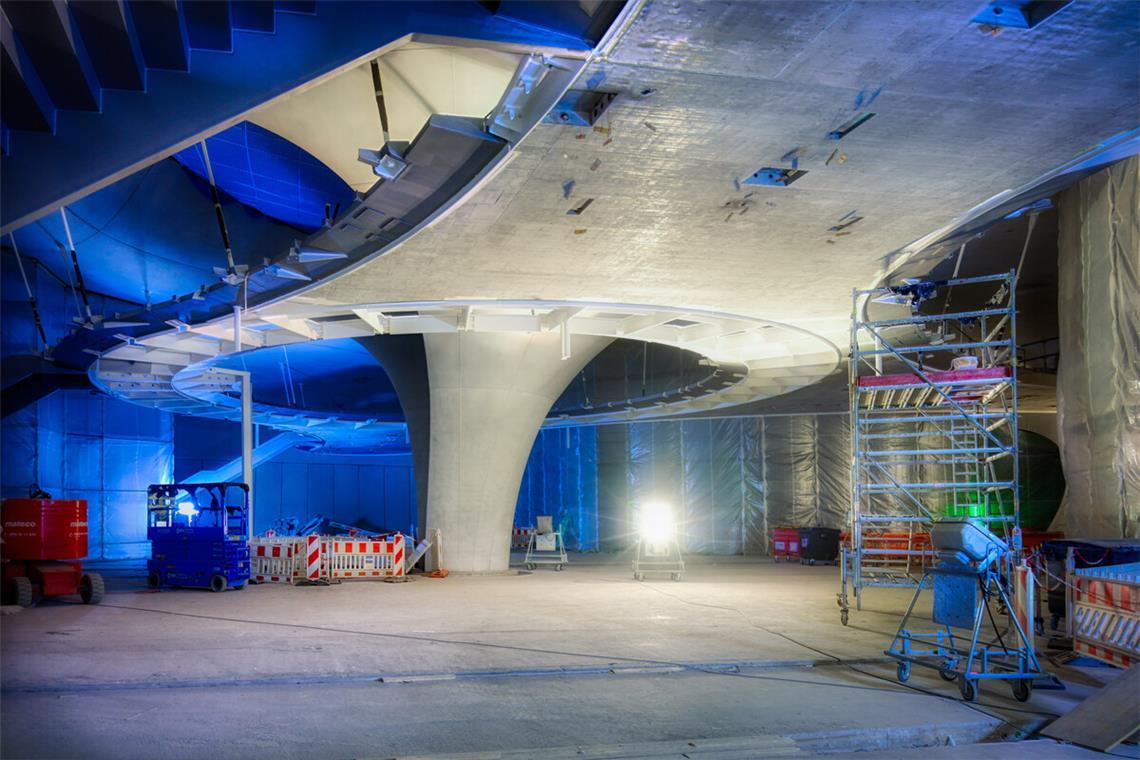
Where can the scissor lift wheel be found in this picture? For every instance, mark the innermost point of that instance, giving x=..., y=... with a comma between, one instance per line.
x=22, y=591
x=91, y=588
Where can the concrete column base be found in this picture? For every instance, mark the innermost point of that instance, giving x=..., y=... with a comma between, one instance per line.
x=489, y=395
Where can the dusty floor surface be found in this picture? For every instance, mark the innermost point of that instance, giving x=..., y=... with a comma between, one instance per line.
x=587, y=657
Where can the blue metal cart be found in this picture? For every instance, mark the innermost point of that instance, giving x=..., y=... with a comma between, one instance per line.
x=198, y=534
x=968, y=584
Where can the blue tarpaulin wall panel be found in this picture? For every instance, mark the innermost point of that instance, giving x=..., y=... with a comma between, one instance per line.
x=83, y=445
x=376, y=492
x=561, y=480
x=729, y=480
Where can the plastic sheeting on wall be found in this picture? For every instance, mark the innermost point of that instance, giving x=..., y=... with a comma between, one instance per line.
x=728, y=480
x=80, y=445
x=1098, y=378
x=561, y=480
x=375, y=492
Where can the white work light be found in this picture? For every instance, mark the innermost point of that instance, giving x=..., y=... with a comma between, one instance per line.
x=658, y=550
x=655, y=523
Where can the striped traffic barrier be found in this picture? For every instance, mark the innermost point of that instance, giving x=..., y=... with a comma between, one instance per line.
x=313, y=547
x=315, y=558
x=272, y=560
x=1106, y=613
x=371, y=558
x=520, y=537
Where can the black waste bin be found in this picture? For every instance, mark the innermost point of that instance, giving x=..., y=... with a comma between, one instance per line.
x=819, y=545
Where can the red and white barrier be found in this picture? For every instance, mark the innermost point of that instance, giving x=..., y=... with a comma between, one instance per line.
x=371, y=558
x=1106, y=613
x=520, y=537
x=1025, y=602
x=273, y=560
x=313, y=551
x=313, y=559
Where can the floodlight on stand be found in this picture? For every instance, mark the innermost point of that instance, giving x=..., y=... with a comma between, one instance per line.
x=655, y=523
x=658, y=550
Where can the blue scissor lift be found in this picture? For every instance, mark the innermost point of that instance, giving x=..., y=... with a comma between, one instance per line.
x=198, y=534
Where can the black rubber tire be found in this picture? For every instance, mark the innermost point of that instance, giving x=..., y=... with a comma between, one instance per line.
x=1022, y=689
x=22, y=591
x=91, y=588
x=238, y=587
x=639, y=576
x=558, y=568
x=153, y=580
x=219, y=583
x=947, y=675
x=903, y=672
x=968, y=689
x=676, y=576
x=843, y=617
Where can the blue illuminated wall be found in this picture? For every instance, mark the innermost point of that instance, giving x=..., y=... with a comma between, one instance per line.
x=377, y=492
x=269, y=173
x=561, y=480
x=83, y=445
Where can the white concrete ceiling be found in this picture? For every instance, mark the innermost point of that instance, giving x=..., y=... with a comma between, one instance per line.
x=335, y=118
x=960, y=116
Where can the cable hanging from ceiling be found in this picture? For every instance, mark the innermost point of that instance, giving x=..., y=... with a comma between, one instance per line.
x=82, y=287
x=232, y=274
x=31, y=295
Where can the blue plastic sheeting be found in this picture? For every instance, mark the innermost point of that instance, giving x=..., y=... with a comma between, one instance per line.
x=561, y=480
x=57, y=307
x=151, y=235
x=269, y=173
x=79, y=445
x=729, y=481
x=313, y=376
x=374, y=492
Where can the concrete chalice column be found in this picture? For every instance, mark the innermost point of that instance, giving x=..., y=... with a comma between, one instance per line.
x=489, y=395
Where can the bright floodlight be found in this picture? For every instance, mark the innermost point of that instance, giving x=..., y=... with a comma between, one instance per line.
x=655, y=523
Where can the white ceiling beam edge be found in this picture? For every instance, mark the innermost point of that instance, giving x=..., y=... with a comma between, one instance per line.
x=773, y=353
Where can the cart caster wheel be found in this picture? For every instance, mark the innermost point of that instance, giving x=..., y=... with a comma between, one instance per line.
x=22, y=591
x=947, y=675
x=639, y=576
x=676, y=576
x=219, y=583
x=91, y=588
x=1022, y=689
x=529, y=565
x=811, y=563
x=153, y=580
x=903, y=672
x=843, y=617
x=968, y=689
x=558, y=568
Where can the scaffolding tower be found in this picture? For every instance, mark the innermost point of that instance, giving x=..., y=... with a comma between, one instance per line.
x=933, y=426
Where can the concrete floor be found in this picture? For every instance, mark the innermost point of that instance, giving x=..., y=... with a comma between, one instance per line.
x=740, y=651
